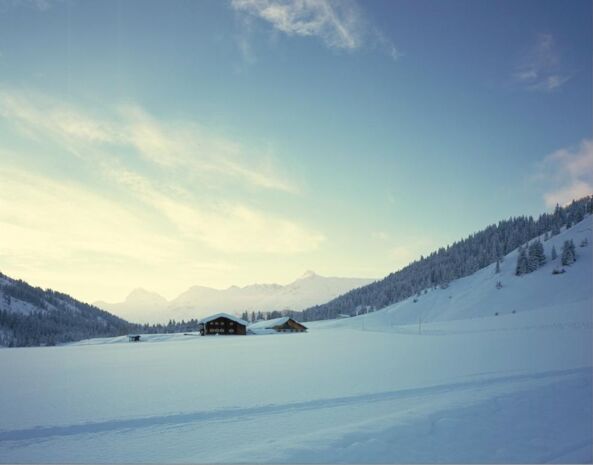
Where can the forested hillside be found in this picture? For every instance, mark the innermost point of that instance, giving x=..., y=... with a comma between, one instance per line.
x=32, y=316
x=458, y=260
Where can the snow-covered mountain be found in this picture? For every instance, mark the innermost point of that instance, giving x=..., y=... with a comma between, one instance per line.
x=310, y=289
x=139, y=302
x=34, y=316
x=498, y=296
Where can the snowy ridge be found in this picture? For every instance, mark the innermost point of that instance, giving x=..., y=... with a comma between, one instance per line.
x=32, y=316
x=199, y=301
x=477, y=296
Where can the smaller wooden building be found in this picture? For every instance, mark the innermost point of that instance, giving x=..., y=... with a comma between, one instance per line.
x=279, y=325
x=224, y=324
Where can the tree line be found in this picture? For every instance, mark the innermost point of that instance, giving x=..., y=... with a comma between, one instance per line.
x=455, y=261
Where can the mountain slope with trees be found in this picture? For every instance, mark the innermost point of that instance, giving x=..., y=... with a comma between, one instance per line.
x=458, y=260
x=32, y=316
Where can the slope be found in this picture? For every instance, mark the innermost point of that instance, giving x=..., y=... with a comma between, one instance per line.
x=478, y=296
x=33, y=316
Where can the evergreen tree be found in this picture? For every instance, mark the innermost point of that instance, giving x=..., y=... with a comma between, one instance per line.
x=497, y=270
x=532, y=259
x=554, y=253
x=568, y=253
x=522, y=262
x=572, y=250
x=538, y=251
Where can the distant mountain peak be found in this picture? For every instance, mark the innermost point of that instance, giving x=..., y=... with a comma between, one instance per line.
x=140, y=294
x=309, y=274
x=199, y=301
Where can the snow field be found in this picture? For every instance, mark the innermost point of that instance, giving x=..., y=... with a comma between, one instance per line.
x=468, y=386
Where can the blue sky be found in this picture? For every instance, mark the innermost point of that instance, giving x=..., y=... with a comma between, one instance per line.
x=165, y=144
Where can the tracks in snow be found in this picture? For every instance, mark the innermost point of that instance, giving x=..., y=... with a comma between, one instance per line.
x=248, y=413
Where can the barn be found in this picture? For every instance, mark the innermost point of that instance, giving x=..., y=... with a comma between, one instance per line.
x=279, y=325
x=224, y=324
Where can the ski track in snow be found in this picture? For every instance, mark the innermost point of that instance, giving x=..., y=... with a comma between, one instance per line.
x=236, y=414
x=465, y=421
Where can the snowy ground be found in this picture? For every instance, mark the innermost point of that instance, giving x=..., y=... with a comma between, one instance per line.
x=468, y=387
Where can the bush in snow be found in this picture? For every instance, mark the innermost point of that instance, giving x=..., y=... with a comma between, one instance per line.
x=584, y=242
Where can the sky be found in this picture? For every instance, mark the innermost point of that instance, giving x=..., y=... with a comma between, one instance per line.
x=165, y=144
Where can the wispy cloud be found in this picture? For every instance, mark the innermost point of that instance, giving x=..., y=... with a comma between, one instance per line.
x=566, y=174
x=179, y=144
x=38, y=5
x=540, y=67
x=228, y=226
x=145, y=196
x=338, y=24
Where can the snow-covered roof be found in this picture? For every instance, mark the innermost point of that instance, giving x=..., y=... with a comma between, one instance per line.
x=224, y=315
x=267, y=324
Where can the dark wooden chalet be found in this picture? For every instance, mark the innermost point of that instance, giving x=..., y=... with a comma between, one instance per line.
x=280, y=325
x=224, y=324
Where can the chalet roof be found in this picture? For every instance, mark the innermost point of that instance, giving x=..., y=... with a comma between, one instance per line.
x=224, y=315
x=268, y=324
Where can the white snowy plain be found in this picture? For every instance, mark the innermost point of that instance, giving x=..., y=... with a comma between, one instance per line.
x=442, y=379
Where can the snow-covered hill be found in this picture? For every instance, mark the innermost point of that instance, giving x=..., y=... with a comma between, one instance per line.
x=34, y=316
x=478, y=296
x=198, y=301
